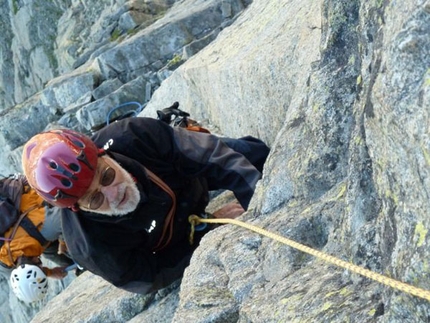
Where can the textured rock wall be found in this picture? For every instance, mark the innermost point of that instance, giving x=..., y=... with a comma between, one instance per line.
x=349, y=168
x=113, y=64
x=33, y=27
x=97, y=54
x=340, y=91
x=255, y=74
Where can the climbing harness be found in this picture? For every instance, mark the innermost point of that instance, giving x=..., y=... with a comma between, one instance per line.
x=422, y=293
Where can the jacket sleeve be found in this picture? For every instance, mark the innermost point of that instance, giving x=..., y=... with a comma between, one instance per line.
x=51, y=229
x=206, y=155
x=166, y=151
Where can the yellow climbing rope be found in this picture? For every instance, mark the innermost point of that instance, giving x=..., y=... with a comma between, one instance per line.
x=422, y=293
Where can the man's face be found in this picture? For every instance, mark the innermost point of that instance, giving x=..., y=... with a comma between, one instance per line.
x=112, y=191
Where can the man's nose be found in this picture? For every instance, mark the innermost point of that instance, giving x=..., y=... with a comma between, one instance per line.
x=110, y=192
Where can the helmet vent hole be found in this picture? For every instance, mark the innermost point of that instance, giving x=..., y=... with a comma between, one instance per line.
x=78, y=143
x=66, y=182
x=53, y=165
x=74, y=167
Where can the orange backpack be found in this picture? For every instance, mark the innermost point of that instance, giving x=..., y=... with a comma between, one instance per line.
x=23, y=238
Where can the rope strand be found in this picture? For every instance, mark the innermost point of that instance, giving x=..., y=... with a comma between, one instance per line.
x=409, y=289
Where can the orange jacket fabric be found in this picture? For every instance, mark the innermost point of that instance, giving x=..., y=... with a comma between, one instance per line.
x=23, y=244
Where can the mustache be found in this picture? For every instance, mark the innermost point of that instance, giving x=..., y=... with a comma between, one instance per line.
x=120, y=196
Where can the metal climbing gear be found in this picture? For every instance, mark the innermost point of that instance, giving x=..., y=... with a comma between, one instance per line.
x=178, y=118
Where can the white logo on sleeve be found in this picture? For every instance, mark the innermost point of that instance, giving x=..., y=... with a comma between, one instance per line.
x=108, y=144
x=152, y=227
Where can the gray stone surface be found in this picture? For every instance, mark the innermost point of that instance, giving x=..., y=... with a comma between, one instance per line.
x=339, y=90
x=91, y=51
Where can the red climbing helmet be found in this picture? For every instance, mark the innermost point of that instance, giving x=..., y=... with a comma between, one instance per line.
x=60, y=165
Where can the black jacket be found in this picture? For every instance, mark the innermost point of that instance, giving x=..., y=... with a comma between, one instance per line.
x=120, y=248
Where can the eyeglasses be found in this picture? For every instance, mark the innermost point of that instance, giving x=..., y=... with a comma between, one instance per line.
x=97, y=198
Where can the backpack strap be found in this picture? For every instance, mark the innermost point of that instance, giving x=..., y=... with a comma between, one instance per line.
x=29, y=227
x=168, y=223
x=32, y=230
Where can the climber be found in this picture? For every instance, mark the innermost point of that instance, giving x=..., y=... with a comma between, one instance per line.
x=37, y=231
x=133, y=186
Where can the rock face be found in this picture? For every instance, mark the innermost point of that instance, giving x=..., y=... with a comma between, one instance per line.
x=120, y=52
x=72, y=62
x=340, y=91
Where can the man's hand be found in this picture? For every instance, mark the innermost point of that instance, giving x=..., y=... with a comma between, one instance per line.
x=57, y=273
x=229, y=211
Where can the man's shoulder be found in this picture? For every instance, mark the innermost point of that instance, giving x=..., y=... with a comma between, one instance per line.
x=129, y=130
x=129, y=122
x=129, y=125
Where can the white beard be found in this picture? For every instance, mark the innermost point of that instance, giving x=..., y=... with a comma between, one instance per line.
x=133, y=198
x=127, y=186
